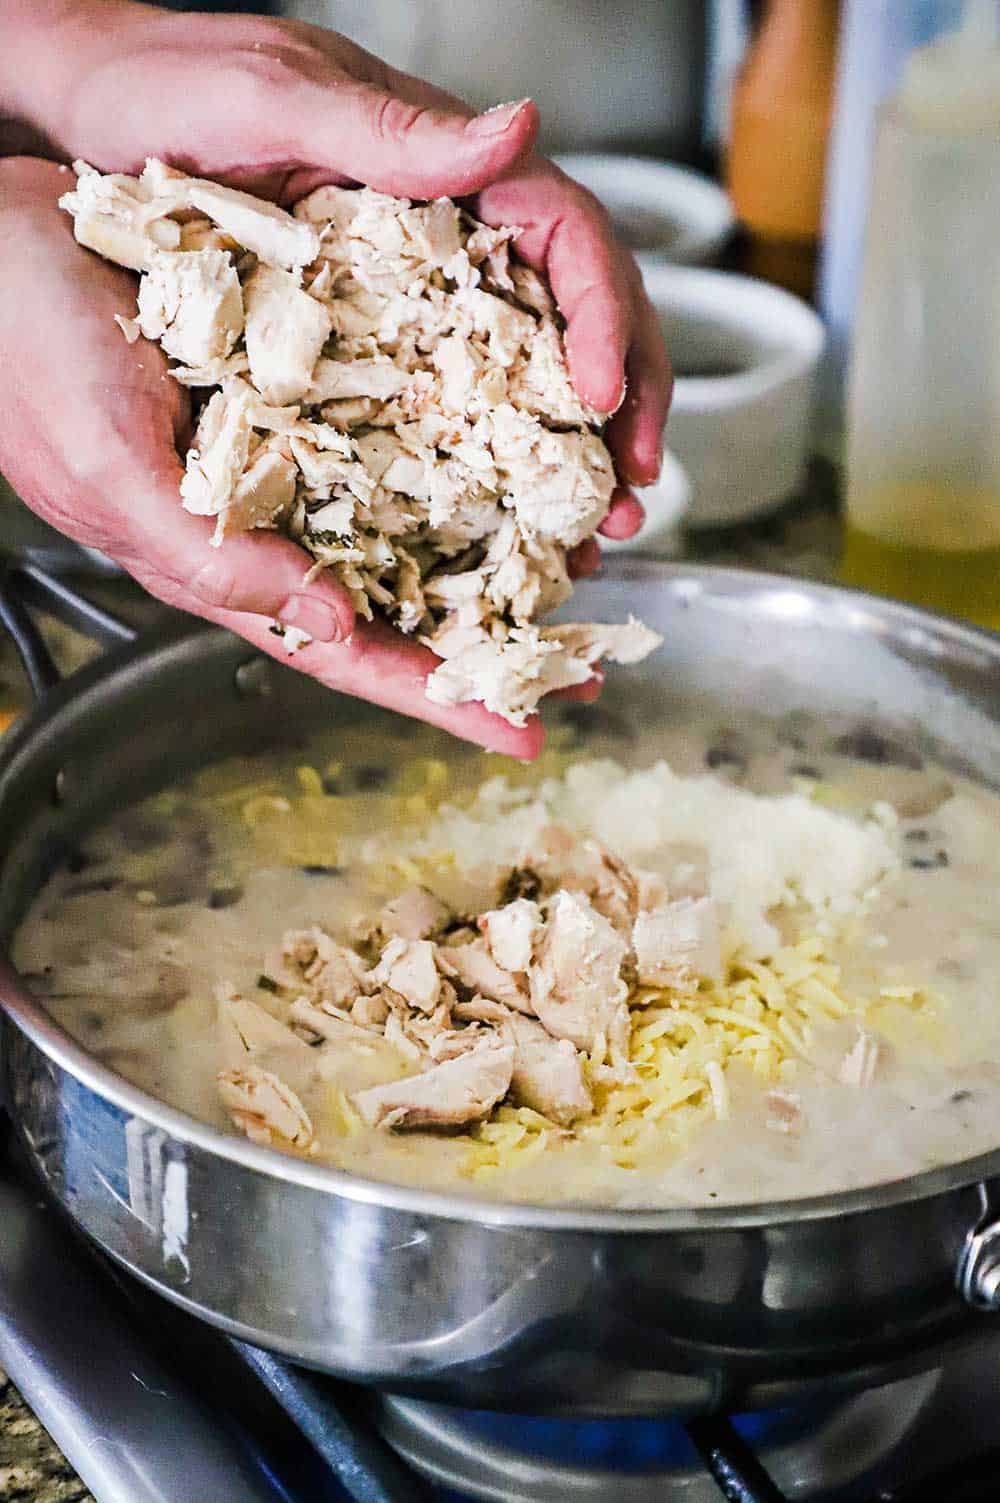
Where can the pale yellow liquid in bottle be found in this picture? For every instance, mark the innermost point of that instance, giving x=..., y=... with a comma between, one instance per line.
x=934, y=547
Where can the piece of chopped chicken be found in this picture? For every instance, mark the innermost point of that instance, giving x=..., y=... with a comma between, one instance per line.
x=329, y=973
x=409, y=967
x=511, y=932
x=333, y=380
x=115, y=216
x=265, y=1107
x=324, y=1023
x=477, y=970
x=678, y=943
x=548, y=1073
x=253, y=223
x=286, y=328
x=452, y=1094
x=510, y=675
x=415, y=914
x=262, y=497
x=628, y=643
x=861, y=1062
x=784, y=1111
x=191, y=302
x=561, y=859
x=220, y=451
x=576, y=983
x=250, y=1027
x=370, y=1012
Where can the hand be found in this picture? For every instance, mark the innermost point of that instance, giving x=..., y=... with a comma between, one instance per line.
x=304, y=106
x=90, y=429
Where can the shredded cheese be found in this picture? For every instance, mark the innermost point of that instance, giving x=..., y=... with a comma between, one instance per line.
x=763, y=1016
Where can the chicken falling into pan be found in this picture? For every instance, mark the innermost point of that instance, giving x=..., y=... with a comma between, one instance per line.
x=386, y=384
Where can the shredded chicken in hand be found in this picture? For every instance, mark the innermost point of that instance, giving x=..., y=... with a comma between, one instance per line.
x=383, y=382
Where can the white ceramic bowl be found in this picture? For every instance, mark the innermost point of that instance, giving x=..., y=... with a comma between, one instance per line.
x=745, y=356
x=663, y=212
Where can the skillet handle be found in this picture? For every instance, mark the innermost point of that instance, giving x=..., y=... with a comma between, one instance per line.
x=25, y=584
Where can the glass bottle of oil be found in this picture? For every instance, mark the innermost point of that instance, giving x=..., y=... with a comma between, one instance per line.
x=923, y=457
x=779, y=127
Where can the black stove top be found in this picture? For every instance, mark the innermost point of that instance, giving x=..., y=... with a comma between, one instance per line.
x=151, y=1406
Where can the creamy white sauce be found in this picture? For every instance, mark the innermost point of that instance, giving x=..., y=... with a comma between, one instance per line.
x=194, y=888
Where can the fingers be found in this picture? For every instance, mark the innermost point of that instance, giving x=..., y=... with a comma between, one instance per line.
x=584, y=693
x=623, y=521
x=613, y=338
x=350, y=115
x=380, y=665
x=625, y=517
x=635, y=433
x=169, y=552
x=567, y=234
x=413, y=150
x=584, y=559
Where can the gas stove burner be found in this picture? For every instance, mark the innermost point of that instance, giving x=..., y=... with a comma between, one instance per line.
x=514, y=1459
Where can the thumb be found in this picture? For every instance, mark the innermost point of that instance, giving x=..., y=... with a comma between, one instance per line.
x=169, y=552
x=404, y=140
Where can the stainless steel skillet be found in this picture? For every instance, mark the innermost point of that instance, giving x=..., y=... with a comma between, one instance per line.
x=496, y=1305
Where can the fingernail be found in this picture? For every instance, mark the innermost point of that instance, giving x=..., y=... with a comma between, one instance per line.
x=312, y=616
x=495, y=121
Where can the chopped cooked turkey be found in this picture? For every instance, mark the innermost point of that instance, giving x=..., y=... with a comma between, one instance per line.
x=313, y=963
x=323, y=1023
x=451, y=1094
x=415, y=914
x=862, y=1060
x=433, y=403
x=286, y=328
x=577, y=988
x=220, y=452
x=370, y=1012
x=271, y=233
x=477, y=970
x=251, y=1027
x=561, y=859
x=409, y=967
x=629, y=643
x=509, y=676
x=481, y=1010
x=548, y=1072
x=191, y=302
x=265, y=1107
x=115, y=216
x=676, y=943
x=511, y=932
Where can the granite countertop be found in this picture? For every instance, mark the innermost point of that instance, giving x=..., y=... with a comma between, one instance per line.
x=32, y=1469
x=802, y=538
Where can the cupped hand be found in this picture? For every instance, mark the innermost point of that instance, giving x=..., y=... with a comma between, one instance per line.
x=279, y=107
x=90, y=430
